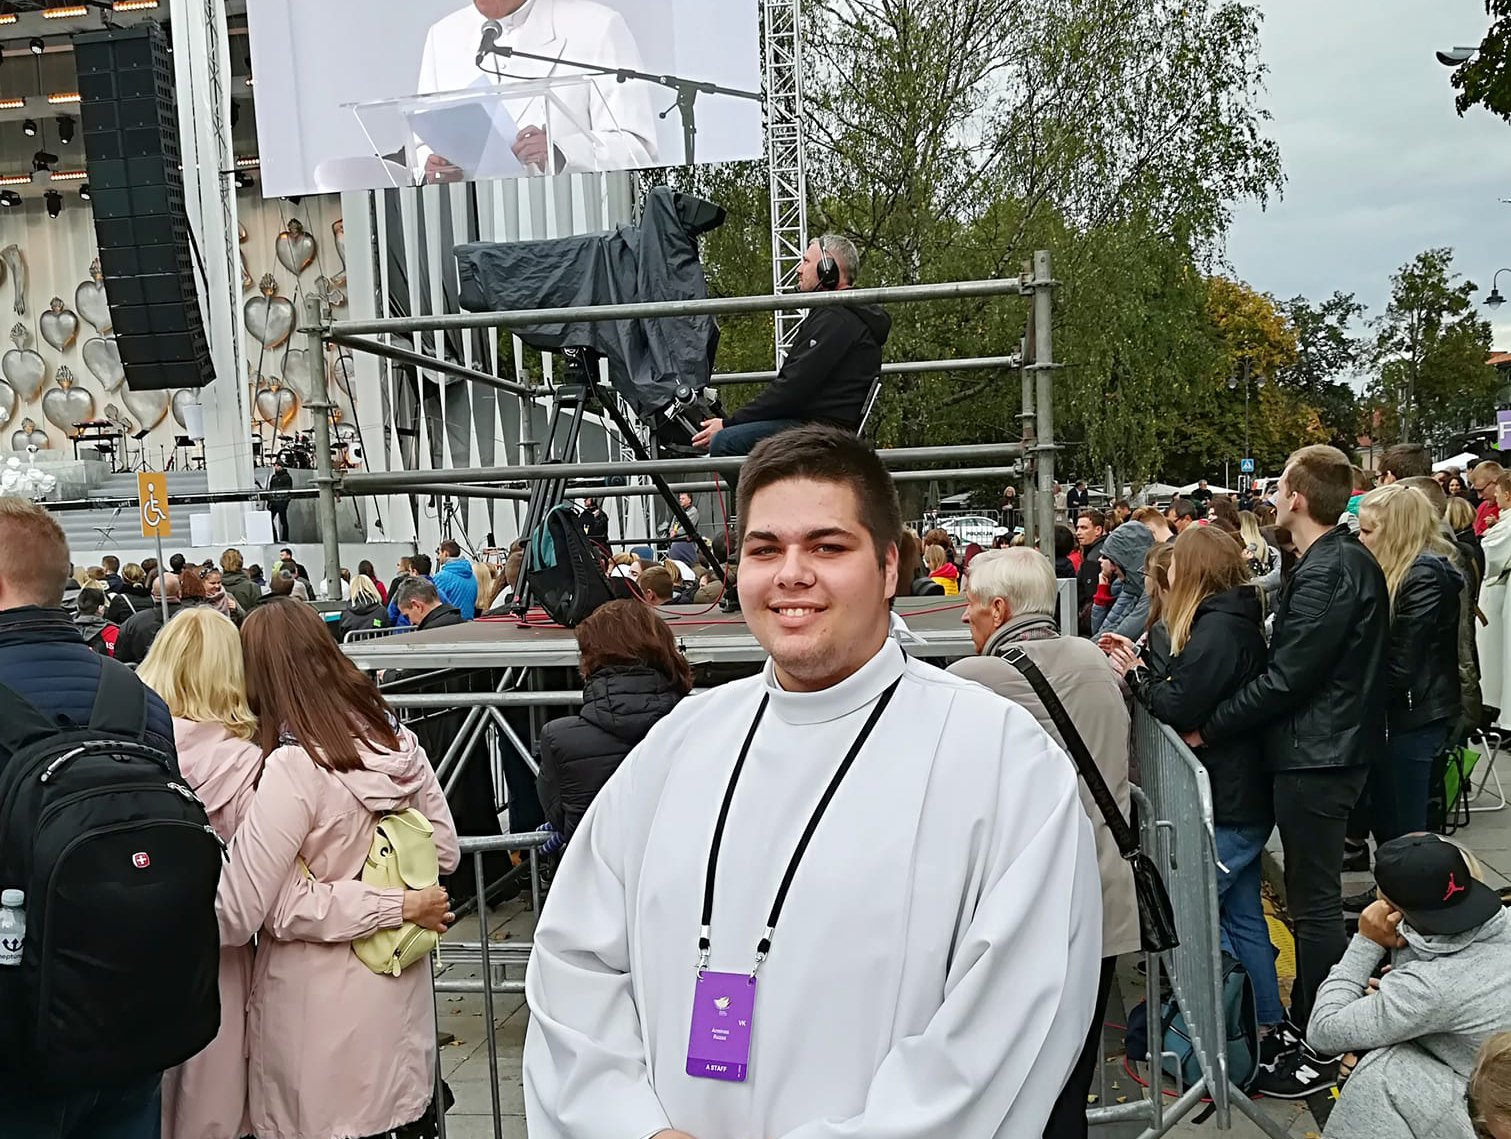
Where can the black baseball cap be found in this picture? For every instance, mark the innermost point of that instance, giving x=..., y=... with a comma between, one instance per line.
x=1427, y=878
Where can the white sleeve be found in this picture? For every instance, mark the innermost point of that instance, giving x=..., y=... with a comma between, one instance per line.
x=428, y=83
x=585, y=1070
x=1018, y=996
x=622, y=124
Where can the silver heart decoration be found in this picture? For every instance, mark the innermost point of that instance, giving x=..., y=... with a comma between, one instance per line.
x=278, y=406
x=295, y=248
x=9, y=401
x=28, y=436
x=298, y=374
x=66, y=405
x=89, y=299
x=59, y=325
x=182, y=399
x=103, y=359
x=148, y=407
x=269, y=318
x=22, y=367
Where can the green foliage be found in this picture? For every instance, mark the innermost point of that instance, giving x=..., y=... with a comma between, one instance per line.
x=1326, y=349
x=1432, y=380
x=1485, y=81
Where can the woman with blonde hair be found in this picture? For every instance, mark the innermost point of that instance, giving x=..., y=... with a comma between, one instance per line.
x=488, y=580
x=1399, y=527
x=364, y=610
x=1263, y=559
x=941, y=570
x=1210, y=613
x=195, y=665
x=1489, y=1094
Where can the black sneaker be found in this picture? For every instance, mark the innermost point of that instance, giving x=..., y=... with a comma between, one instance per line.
x=1358, y=903
x=1279, y=1042
x=1355, y=858
x=1297, y=1075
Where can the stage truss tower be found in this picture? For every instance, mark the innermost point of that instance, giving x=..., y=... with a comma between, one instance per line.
x=785, y=139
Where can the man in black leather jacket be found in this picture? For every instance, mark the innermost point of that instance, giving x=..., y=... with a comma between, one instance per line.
x=1321, y=705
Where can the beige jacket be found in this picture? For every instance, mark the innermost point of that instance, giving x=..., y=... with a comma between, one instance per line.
x=1080, y=676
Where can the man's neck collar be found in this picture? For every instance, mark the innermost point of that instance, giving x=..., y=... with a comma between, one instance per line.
x=855, y=691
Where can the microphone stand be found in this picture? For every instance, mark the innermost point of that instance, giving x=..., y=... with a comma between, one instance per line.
x=687, y=90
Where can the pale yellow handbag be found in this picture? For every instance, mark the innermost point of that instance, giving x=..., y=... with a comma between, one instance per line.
x=402, y=857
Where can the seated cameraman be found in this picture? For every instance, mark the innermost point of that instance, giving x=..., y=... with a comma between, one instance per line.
x=827, y=376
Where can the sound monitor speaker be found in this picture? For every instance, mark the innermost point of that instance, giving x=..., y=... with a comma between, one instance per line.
x=130, y=125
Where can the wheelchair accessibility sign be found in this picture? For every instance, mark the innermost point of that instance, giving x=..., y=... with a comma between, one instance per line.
x=152, y=493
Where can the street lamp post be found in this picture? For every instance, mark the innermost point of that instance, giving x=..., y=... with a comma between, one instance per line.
x=1495, y=300
x=1233, y=381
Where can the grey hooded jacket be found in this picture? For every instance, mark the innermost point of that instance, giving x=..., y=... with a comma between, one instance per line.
x=1443, y=997
x=1125, y=547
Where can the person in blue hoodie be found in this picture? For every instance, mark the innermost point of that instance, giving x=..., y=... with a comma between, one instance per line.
x=419, y=566
x=454, y=580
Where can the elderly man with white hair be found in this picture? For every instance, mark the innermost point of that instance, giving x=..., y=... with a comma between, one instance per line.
x=1010, y=598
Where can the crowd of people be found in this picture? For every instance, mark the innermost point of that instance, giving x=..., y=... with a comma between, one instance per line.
x=1318, y=648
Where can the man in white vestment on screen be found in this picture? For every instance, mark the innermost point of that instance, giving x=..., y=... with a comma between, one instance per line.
x=922, y=966
x=618, y=119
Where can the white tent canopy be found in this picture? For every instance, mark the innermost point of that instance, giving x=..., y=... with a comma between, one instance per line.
x=1459, y=462
x=1213, y=489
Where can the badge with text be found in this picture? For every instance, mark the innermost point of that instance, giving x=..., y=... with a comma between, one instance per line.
x=723, y=1013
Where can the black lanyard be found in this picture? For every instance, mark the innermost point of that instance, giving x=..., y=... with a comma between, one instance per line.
x=764, y=948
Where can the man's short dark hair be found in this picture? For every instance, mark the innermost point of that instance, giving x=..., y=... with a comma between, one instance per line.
x=1184, y=508
x=1094, y=516
x=657, y=581
x=420, y=563
x=827, y=454
x=282, y=583
x=450, y=549
x=414, y=590
x=1406, y=460
x=176, y=563
x=111, y=563
x=1325, y=478
x=89, y=601
x=1065, y=541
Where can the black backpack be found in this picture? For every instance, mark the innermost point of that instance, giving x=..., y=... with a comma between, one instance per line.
x=563, y=569
x=119, y=975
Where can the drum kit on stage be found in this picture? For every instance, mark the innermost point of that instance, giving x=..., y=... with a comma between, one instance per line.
x=297, y=451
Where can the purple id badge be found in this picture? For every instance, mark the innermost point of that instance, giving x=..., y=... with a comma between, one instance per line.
x=718, y=1047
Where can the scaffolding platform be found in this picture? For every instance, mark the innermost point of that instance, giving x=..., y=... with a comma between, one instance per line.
x=705, y=638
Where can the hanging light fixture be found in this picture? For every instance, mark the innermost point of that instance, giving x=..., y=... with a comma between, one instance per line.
x=29, y=128
x=84, y=192
x=65, y=129
x=54, y=203
x=36, y=45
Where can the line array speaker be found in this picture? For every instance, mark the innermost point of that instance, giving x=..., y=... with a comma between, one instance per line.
x=129, y=116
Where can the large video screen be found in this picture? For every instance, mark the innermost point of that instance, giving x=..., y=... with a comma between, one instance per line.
x=369, y=94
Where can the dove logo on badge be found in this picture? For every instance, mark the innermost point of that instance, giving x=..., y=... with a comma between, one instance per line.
x=721, y=1003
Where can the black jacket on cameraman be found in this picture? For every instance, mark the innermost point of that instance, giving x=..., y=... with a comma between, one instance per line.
x=1224, y=651
x=578, y=754
x=827, y=376
x=1422, y=667
x=1320, y=702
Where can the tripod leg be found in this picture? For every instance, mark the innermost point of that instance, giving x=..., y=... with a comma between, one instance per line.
x=567, y=408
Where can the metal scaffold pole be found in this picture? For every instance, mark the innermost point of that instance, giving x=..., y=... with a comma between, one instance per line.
x=316, y=319
x=1044, y=369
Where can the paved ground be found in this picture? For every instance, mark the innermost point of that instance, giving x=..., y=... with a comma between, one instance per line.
x=465, y=1062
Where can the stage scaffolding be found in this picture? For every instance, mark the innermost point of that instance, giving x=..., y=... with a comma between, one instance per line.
x=982, y=460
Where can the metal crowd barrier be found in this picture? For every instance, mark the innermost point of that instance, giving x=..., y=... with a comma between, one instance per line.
x=1178, y=833
x=1174, y=802
x=489, y=958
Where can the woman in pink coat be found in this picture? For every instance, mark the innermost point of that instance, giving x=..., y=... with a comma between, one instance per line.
x=195, y=666
x=335, y=1051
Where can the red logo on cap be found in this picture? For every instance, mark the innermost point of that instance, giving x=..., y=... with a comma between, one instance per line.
x=140, y=860
x=1454, y=888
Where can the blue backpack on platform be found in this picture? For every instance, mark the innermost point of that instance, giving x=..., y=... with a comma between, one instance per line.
x=1240, y=1015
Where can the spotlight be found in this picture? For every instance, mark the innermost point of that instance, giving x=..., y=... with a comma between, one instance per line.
x=36, y=45
x=43, y=160
x=29, y=127
x=65, y=129
x=84, y=192
x=244, y=181
x=9, y=198
x=54, y=203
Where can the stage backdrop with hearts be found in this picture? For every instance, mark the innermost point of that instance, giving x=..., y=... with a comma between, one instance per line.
x=290, y=250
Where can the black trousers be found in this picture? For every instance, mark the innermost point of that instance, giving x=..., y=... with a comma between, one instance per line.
x=280, y=522
x=1068, y=1119
x=1312, y=809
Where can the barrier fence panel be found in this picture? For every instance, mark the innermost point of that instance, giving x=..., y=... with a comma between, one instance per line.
x=1179, y=835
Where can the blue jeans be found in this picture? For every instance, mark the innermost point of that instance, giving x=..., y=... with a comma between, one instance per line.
x=742, y=437
x=1240, y=915
x=122, y=1111
x=1398, y=783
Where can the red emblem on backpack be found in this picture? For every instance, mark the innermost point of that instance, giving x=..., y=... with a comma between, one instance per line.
x=140, y=860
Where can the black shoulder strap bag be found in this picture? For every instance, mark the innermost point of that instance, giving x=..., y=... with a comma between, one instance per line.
x=1156, y=915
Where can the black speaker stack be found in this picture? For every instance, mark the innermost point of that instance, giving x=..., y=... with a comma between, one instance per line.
x=130, y=124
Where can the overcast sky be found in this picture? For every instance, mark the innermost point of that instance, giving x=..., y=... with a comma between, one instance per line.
x=1378, y=164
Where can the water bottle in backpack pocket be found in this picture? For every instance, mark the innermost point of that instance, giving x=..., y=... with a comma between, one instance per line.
x=118, y=978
